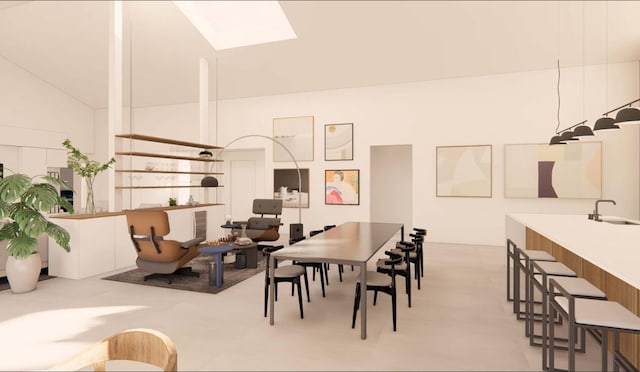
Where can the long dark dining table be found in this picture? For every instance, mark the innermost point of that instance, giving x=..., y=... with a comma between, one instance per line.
x=352, y=243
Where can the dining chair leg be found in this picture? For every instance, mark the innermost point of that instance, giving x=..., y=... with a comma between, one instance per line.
x=266, y=297
x=375, y=297
x=322, y=279
x=393, y=307
x=306, y=284
x=276, y=290
x=297, y=281
x=408, y=287
x=340, y=271
x=326, y=273
x=356, y=305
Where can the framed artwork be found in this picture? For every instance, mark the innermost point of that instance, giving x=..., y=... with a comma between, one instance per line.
x=463, y=171
x=338, y=141
x=296, y=134
x=342, y=186
x=287, y=188
x=543, y=171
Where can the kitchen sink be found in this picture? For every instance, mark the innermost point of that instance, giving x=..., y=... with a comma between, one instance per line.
x=621, y=222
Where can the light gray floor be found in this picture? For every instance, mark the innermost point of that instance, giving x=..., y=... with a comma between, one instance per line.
x=460, y=320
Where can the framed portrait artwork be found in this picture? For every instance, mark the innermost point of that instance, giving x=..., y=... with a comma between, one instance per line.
x=296, y=134
x=342, y=186
x=338, y=141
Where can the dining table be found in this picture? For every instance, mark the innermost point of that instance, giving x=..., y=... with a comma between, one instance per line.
x=351, y=243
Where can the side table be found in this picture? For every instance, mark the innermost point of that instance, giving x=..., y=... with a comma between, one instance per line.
x=216, y=251
x=250, y=251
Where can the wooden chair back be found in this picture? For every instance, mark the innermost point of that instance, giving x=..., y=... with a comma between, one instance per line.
x=140, y=345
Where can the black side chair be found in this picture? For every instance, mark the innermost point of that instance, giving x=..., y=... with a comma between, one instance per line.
x=380, y=282
x=422, y=232
x=414, y=256
x=313, y=277
x=312, y=265
x=288, y=273
x=340, y=266
x=402, y=269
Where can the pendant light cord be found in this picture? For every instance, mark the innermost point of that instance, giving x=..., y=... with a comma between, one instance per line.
x=558, y=90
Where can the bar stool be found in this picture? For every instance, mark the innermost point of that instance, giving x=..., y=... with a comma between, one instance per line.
x=603, y=316
x=577, y=287
x=513, y=258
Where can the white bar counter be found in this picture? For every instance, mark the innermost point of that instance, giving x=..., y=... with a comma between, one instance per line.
x=613, y=248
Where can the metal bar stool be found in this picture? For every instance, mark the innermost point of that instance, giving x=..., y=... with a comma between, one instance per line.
x=603, y=316
x=577, y=287
x=519, y=264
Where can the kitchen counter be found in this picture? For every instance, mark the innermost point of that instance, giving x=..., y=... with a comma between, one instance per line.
x=613, y=248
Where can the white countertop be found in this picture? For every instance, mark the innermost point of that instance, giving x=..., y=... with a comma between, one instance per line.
x=613, y=248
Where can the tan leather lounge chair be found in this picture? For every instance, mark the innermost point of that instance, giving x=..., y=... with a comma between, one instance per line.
x=162, y=258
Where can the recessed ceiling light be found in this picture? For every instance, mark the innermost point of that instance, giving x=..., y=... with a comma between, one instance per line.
x=232, y=24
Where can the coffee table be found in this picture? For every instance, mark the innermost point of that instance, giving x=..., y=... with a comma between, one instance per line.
x=216, y=251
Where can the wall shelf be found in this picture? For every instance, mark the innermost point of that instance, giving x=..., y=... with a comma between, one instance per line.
x=167, y=141
x=162, y=172
x=166, y=156
x=141, y=137
x=162, y=187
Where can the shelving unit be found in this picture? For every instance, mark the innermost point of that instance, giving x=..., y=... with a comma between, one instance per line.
x=160, y=140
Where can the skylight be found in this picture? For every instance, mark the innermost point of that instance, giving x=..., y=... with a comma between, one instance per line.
x=232, y=24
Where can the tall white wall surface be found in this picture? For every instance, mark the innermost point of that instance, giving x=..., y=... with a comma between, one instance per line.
x=497, y=110
x=29, y=102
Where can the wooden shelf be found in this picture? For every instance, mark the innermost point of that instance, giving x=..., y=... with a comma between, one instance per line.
x=142, y=137
x=164, y=187
x=161, y=172
x=165, y=156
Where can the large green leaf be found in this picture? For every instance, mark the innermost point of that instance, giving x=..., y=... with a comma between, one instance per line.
x=12, y=187
x=41, y=196
x=9, y=231
x=60, y=235
x=22, y=246
x=30, y=221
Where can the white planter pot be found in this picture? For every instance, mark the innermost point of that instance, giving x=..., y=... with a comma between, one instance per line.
x=23, y=273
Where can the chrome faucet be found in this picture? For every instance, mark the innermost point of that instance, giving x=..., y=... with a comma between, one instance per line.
x=595, y=215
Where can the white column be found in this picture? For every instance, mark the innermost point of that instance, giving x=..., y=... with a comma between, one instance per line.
x=115, y=91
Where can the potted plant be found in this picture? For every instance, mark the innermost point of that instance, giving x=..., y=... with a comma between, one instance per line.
x=87, y=169
x=22, y=201
x=173, y=202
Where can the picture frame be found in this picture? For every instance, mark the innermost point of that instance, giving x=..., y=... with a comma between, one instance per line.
x=285, y=187
x=342, y=186
x=296, y=134
x=537, y=170
x=464, y=171
x=338, y=141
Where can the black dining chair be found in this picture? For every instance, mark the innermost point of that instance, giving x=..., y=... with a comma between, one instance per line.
x=379, y=282
x=287, y=273
x=402, y=269
x=312, y=265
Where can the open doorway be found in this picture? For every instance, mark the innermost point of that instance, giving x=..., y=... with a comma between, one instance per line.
x=392, y=184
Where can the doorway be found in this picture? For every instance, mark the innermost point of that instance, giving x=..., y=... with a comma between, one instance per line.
x=392, y=184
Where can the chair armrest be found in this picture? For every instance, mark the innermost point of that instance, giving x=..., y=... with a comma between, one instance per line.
x=191, y=243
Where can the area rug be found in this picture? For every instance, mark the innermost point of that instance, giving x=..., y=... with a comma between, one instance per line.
x=232, y=276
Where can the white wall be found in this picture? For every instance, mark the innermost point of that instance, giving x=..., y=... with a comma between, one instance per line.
x=496, y=110
x=28, y=102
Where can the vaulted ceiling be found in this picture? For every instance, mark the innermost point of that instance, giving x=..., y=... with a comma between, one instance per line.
x=340, y=44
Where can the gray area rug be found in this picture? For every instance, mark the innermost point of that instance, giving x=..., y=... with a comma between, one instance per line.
x=200, y=265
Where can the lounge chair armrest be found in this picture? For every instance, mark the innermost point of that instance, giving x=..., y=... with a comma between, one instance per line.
x=191, y=243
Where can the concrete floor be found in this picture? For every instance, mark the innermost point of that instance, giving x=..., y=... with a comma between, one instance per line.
x=460, y=320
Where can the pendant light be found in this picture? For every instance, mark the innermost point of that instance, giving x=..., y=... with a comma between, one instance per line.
x=628, y=116
x=605, y=124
